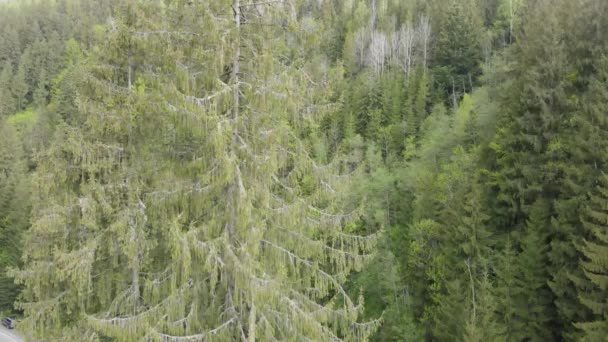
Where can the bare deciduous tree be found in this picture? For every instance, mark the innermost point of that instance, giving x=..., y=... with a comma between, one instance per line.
x=403, y=47
x=379, y=49
x=423, y=34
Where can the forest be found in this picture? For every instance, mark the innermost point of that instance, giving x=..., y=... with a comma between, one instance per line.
x=304, y=170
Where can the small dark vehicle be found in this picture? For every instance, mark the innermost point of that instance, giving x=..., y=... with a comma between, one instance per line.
x=9, y=323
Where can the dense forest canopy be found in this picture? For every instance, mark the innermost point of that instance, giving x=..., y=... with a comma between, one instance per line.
x=304, y=170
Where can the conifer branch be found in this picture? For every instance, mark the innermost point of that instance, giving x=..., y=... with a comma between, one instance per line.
x=194, y=338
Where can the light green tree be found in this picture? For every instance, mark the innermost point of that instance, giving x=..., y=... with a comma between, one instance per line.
x=183, y=202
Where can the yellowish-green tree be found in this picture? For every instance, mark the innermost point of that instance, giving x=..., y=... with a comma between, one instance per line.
x=185, y=202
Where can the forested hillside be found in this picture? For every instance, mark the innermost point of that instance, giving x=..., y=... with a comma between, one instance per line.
x=304, y=170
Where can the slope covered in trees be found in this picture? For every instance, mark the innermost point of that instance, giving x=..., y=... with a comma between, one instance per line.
x=38, y=48
x=388, y=170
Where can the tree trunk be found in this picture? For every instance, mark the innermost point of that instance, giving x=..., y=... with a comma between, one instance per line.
x=510, y=21
x=233, y=193
x=129, y=71
x=135, y=284
x=251, y=329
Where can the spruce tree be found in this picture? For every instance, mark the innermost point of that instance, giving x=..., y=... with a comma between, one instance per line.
x=7, y=102
x=595, y=263
x=586, y=183
x=507, y=292
x=13, y=209
x=483, y=324
x=185, y=203
x=530, y=154
x=19, y=87
x=457, y=57
x=11, y=47
x=536, y=311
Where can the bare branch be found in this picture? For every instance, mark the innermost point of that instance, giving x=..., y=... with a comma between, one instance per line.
x=261, y=3
x=199, y=101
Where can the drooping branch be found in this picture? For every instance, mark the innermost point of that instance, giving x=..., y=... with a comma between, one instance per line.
x=294, y=257
x=146, y=34
x=128, y=321
x=193, y=338
x=200, y=101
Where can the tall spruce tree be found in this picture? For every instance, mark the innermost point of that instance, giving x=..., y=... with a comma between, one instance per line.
x=482, y=324
x=183, y=202
x=19, y=86
x=586, y=178
x=507, y=292
x=457, y=58
x=595, y=264
x=7, y=102
x=530, y=156
x=13, y=209
x=536, y=312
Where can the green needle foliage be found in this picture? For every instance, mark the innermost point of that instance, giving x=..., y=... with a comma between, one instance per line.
x=186, y=203
x=250, y=170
